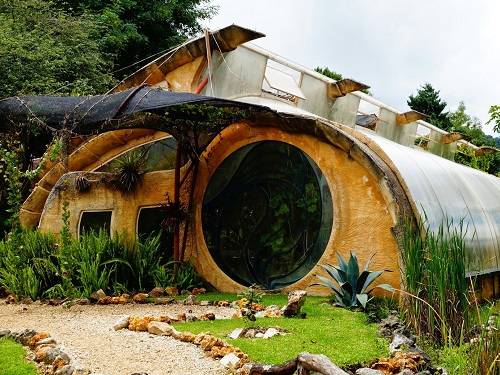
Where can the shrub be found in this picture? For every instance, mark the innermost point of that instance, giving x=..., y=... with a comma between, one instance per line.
x=34, y=264
x=353, y=288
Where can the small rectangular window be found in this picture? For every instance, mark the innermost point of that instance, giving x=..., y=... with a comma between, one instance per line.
x=149, y=224
x=95, y=221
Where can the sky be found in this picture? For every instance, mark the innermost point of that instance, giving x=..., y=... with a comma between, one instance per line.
x=394, y=46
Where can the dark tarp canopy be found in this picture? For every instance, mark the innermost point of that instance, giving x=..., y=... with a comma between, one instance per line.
x=90, y=114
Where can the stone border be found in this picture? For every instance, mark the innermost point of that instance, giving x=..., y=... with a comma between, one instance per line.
x=43, y=350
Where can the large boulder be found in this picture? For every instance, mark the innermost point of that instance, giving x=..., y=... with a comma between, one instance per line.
x=295, y=302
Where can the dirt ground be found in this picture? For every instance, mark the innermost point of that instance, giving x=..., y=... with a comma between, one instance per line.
x=86, y=334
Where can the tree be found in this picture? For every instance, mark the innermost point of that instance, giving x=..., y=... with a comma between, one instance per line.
x=494, y=113
x=427, y=101
x=43, y=50
x=135, y=29
x=471, y=128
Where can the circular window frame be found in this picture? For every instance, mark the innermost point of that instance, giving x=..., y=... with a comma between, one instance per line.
x=230, y=140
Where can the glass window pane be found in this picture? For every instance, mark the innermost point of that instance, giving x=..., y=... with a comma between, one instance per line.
x=159, y=156
x=149, y=224
x=95, y=221
x=267, y=214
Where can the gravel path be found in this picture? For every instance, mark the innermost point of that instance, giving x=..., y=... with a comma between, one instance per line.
x=86, y=334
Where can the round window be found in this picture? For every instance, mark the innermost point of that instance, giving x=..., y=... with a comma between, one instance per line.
x=267, y=214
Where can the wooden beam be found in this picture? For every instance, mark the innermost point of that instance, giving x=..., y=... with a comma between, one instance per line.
x=485, y=150
x=409, y=117
x=450, y=138
x=343, y=87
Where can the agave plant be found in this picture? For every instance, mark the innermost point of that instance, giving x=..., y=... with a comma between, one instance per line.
x=129, y=169
x=350, y=287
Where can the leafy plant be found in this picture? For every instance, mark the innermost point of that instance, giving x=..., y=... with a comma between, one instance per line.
x=353, y=288
x=129, y=169
x=253, y=295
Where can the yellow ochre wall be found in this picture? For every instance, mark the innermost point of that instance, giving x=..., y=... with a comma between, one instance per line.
x=362, y=218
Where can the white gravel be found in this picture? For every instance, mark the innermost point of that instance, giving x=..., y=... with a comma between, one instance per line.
x=86, y=334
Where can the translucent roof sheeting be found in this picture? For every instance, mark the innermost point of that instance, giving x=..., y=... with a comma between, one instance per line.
x=446, y=191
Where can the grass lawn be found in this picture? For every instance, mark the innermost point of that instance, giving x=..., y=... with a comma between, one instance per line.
x=343, y=335
x=12, y=359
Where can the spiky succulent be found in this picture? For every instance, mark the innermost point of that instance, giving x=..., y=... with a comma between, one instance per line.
x=350, y=288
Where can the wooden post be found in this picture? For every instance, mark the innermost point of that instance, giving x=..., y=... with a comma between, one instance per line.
x=177, y=179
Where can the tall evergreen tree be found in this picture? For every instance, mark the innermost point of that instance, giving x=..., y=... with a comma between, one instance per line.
x=427, y=101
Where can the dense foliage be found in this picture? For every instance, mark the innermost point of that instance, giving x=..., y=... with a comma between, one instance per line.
x=132, y=30
x=45, y=50
x=428, y=101
x=35, y=264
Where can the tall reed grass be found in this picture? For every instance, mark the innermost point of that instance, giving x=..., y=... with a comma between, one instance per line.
x=439, y=300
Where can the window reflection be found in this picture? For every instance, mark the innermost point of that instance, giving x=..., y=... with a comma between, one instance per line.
x=267, y=214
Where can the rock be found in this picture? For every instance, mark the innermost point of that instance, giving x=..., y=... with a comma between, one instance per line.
x=4, y=333
x=210, y=341
x=190, y=300
x=46, y=354
x=197, y=291
x=186, y=336
x=26, y=301
x=82, y=301
x=204, y=303
x=259, y=335
x=140, y=298
x=368, y=371
x=46, y=341
x=35, y=338
x=229, y=360
x=399, y=341
x=61, y=360
x=163, y=300
x=172, y=291
x=65, y=370
x=250, y=333
x=190, y=317
x=208, y=316
x=96, y=296
x=296, y=299
x=223, y=304
x=139, y=324
x=160, y=328
x=236, y=333
x=105, y=301
x=425, y=372
x=25, y=336
x=81, y=371
x=405, y=372
x=11, y=299
x=157, y=292
x=121, y=323
x=270, y=333
x=199, y=338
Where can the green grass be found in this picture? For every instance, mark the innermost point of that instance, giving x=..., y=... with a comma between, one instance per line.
x=344, y=336
x=12, y=359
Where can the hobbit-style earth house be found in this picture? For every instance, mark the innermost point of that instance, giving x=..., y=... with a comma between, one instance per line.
x=280, y=168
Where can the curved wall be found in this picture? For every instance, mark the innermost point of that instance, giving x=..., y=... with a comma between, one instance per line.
x=362, y=212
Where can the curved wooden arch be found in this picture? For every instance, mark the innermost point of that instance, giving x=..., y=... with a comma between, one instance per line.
x=88, y=156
